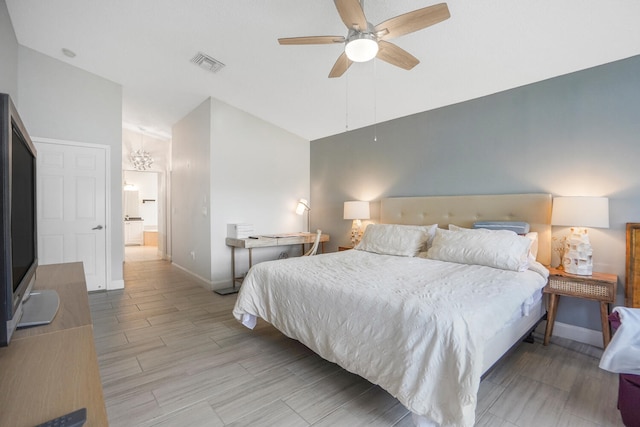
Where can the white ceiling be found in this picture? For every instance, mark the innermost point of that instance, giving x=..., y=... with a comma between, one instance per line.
x=485, y=47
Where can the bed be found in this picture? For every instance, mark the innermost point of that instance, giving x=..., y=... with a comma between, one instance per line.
x=422, y=327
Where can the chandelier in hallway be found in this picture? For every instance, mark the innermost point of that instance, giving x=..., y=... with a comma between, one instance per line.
x=141, y=159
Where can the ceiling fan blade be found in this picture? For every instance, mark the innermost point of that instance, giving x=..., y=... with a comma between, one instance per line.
x=341, y=65
x=312, y=40
x=352, y=14
x=412, y=21
x=395, y=55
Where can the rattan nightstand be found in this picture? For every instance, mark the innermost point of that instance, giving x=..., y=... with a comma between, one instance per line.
x=598, y=287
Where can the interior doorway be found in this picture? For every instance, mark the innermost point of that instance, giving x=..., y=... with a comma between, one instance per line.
x=144, y=219
x=72, y=193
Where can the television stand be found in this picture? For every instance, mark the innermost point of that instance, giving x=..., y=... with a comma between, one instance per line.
x=51, y=370
x=40, y=308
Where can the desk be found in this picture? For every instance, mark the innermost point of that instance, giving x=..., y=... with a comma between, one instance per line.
x=286, y=239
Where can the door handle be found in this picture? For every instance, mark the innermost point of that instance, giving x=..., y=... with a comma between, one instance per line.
x=99, y=227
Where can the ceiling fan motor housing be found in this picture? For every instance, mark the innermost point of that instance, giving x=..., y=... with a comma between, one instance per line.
x=361, y=46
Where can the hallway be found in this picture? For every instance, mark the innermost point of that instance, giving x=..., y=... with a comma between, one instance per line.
x=141, y=253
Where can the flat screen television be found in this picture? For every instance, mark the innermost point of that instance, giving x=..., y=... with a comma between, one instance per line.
x=18, y=234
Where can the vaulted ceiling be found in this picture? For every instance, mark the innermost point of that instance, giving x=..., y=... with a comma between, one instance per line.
x=487, y=46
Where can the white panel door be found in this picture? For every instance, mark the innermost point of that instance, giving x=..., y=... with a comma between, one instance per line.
x=72, y=208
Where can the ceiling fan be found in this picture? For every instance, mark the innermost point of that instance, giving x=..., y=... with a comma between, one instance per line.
x=365, y=41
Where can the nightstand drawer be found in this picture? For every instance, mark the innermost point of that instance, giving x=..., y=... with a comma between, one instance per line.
x=599, y=287
x=591, y=287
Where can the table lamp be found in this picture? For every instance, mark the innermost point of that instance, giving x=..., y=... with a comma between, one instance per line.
x=579, y=213
x=301, y=208
x=356, y=211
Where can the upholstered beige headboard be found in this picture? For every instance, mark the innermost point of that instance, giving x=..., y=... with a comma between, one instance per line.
x=465, y=210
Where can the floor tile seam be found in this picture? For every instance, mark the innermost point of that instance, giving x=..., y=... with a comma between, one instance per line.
x=279, y=365
x=295, y=412
x=107, y=356
x=233, y=420
x=561, y=409
x=408, y=414
x=131, y=390
x=356, y=397
x=496, y=400
x=342, y=405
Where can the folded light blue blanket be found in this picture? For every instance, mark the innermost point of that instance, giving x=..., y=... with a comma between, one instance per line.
x=517, y=227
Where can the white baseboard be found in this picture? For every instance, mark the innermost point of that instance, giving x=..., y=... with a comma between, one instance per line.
x=577, y=333
x=223, y=284
x=116, y=284
x=207, y=284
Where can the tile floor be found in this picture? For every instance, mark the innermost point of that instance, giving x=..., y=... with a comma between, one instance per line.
x=171, y=354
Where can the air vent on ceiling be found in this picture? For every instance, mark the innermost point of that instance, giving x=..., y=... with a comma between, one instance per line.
x=206, y=62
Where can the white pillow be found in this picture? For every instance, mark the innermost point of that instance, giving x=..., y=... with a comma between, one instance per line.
x=453, y=227
x=533, y=235
x=429, y=229
x=533, y=251
x=499, y=249
x=395, y=239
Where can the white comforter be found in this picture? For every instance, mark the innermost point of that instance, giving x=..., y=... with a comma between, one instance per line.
x=414, y=326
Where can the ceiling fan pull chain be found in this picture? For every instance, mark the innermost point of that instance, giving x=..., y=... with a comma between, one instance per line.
x=375, y=102
x=346, y=104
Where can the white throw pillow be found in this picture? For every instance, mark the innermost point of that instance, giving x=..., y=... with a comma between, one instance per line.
x=396, y=239
x=533, y=250
x=499, y=249
x=533, y=235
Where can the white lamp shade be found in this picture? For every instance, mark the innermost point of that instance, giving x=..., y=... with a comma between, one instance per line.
x=361, y=49
x=356, y=210
x=303, y=205
x=580, y=212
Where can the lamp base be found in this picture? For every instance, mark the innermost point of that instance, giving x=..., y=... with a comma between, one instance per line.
x=578, y=256
x=356, y=232
x=583, y=271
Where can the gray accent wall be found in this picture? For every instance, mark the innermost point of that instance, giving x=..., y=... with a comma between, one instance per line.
x=577, y=134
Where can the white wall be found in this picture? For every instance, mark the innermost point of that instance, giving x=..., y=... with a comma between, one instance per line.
x=8, y=55
x=258, y=173
x=229, y=166
x=190, y=228
x=62, y=102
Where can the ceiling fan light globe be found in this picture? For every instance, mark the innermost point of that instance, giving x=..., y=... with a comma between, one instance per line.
x=361, y=49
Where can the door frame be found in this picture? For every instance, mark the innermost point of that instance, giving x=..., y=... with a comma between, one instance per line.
x=163, y=210
x=107, y=183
